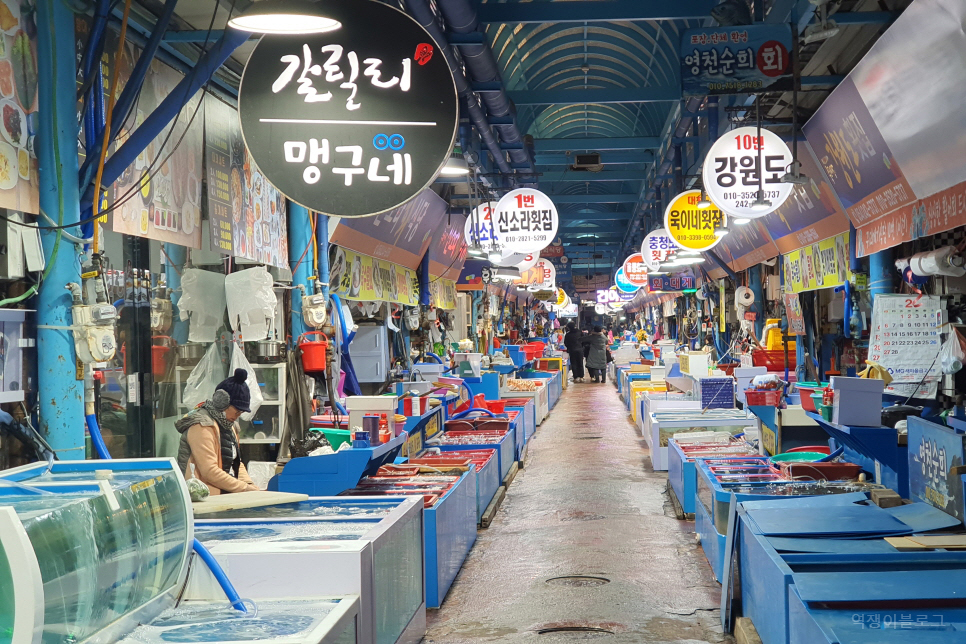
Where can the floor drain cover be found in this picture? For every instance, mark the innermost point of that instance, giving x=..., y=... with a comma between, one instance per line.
x=585, y=631
x=588, y=438
x=578, y=581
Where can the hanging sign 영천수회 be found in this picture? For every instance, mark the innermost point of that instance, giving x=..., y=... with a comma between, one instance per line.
x=657, y=247
x=692, y=227
x=351, y=122
x=525, y=221
x=635, y=270
x=735, y=60
x=620, y=280
x=731, y=174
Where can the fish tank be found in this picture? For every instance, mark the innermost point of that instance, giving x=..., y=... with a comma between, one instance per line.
x=99, y=551
x=84, y=543
x=370, y=546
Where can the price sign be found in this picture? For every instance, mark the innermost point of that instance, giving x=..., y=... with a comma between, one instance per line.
x=622, y=283
x=526, y=221
x=635, y=270
x=731, y=172
x=657, y=247
x=351, y=122
x=692, y=227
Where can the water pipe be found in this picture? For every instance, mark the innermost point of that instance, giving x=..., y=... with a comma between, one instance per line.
x=881, y=272
x=97, y=439
x=847, y=309
x=754, y=282
x=220, y=576
x=177, y=255
x=60, y=394
x=322, y=238
x=855, y=265
x=299, y=238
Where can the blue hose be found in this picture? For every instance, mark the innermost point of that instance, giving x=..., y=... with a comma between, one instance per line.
x=206, y=556
x=96, y=439
x=434, y=356
x=220, y=576
x=466, y=412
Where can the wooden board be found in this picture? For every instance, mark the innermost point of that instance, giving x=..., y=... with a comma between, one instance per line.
x=241, y=500
x=904, y=544
x=948, y=541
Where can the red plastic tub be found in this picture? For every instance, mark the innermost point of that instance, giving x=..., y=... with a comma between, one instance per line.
x=496, y=406
x=770, y=398
x=772, y=360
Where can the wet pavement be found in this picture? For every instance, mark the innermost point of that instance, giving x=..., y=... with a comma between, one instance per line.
x=587, y=504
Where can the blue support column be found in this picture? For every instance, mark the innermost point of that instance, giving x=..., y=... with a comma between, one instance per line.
x=754, y=283
x=322, y=238
x=299, y=237
x=882, y=270
x=424, y=281
x=60, y=393
x=176, y=255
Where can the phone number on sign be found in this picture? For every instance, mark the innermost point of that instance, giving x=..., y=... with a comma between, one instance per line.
x=700, y=237
x=524, y=238
x=769, y=194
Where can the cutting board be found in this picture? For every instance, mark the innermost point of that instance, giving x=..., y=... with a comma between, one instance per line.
x=242, y=500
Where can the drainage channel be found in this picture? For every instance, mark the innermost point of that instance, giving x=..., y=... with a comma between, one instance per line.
x=582, y=632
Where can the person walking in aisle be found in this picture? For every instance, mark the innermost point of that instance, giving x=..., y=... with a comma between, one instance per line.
x=596, y=344
x=572, y=341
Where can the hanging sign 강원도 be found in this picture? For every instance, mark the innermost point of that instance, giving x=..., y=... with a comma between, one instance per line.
x=692, y=227
x=350, y=122
x=525, y=221
x=635, y=270
x=657, y=247
x=731, y=177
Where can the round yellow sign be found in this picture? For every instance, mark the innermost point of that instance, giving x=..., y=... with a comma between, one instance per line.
x=561, y=297
x=691, y=227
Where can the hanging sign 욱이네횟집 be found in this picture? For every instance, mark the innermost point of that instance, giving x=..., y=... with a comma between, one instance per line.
x=525, y=221
x=731, y=176
x=351, y=122
x=690, y=226
x=657, y=247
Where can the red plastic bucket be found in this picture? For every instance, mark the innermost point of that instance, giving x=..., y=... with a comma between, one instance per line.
x=496, y=406
x=313, y=352
x=159, y=356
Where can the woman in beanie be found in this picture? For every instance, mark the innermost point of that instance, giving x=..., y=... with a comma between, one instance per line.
x=209, y=441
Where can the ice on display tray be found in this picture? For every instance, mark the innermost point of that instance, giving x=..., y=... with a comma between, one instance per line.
x=310, y=509
x=280, y=532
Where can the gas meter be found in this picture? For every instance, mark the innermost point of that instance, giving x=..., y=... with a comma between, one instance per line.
x=313, y=310
x=94, y=332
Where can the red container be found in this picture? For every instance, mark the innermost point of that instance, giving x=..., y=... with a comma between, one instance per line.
x=769, y=398
x=772, y=360
x=806, y=392
x=820, y=471
x=729, y=368
x=496, y=406
x=313, y=352
x=821, y=449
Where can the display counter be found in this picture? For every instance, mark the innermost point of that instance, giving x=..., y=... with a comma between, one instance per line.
x=681, y=473
x=666, y=423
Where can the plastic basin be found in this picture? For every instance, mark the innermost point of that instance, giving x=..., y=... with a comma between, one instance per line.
x=798, y=457
x=337, y=436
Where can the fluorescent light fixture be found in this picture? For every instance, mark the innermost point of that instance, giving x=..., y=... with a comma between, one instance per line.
x=507, y=273
x=761, y=203
x=721, y=231
x=494, y=256
x=284, y=17
x=740, y=221
x=687, y=251
x=475, y=251
x=705, y=202
x=456, y=165
x=687, y=261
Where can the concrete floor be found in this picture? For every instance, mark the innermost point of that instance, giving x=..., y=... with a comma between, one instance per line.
x=587, y=503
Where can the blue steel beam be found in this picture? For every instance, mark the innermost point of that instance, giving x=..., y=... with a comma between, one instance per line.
x=583, y=176
x=596, y=96
x=592, y=229
x=607, y=158
x=617, y=11
x=597, y=144
x=610, y=198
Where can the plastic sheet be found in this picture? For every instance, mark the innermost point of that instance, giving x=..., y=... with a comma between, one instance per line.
x=202, y=302
x=239, y=361
x=251, y=302
x=204, y=378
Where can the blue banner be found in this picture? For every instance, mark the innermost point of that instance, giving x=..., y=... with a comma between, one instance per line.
x=735, y=60
x=670, y=283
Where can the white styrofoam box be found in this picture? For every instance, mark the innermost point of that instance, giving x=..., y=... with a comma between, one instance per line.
x=858, y=401
x=359, y=406
x=744, y=376
x=429, y=371
x=474, y=359
x=657, y=374
x=652, y=404
x=698, y=363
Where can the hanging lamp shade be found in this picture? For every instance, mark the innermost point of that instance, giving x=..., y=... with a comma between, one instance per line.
x=284, y=17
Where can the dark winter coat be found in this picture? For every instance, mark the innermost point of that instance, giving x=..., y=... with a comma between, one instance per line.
x=597, y=356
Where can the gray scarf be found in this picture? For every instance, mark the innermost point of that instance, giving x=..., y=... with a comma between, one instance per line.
x=203, y=414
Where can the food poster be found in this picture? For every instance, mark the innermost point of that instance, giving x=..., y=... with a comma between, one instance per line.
x=159, y=195
x=247, y=214
x=19, y=182
x=355, y=276
x=442, y=293
x=824, y=264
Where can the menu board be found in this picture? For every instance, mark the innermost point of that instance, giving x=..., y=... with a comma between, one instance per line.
x=905, y=340
x=355, y=276
x=19, y=182
x=824, y=264
x=159, y=195
x=247, y=214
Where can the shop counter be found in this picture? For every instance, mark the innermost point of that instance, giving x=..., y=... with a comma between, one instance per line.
x=653, y=401
x=681, y=473
x=366, y=546
x=450, y=535
x=553, y=383
x=818, y=571
x=487, y=471
x=332, y=474
x=487, y=384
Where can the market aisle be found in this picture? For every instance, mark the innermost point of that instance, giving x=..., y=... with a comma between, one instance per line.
x=586, y=504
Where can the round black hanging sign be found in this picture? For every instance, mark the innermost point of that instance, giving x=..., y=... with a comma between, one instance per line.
x=351, y=122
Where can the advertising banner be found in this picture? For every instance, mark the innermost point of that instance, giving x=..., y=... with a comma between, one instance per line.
x=475, y=275
x=525, y=221
x=442, y=293
x=657, y=246
x=673, y=283
x=824, y=264
x=447, y=251
x=402, y=235
x=355, y=276
x=745, y=245
x=248, y=216
x=793, y=311
x=735, y=60
x=562, y=266
x=622, y=282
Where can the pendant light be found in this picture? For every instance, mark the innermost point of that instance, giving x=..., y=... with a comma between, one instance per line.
x=284, y=17
x=456, y=165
